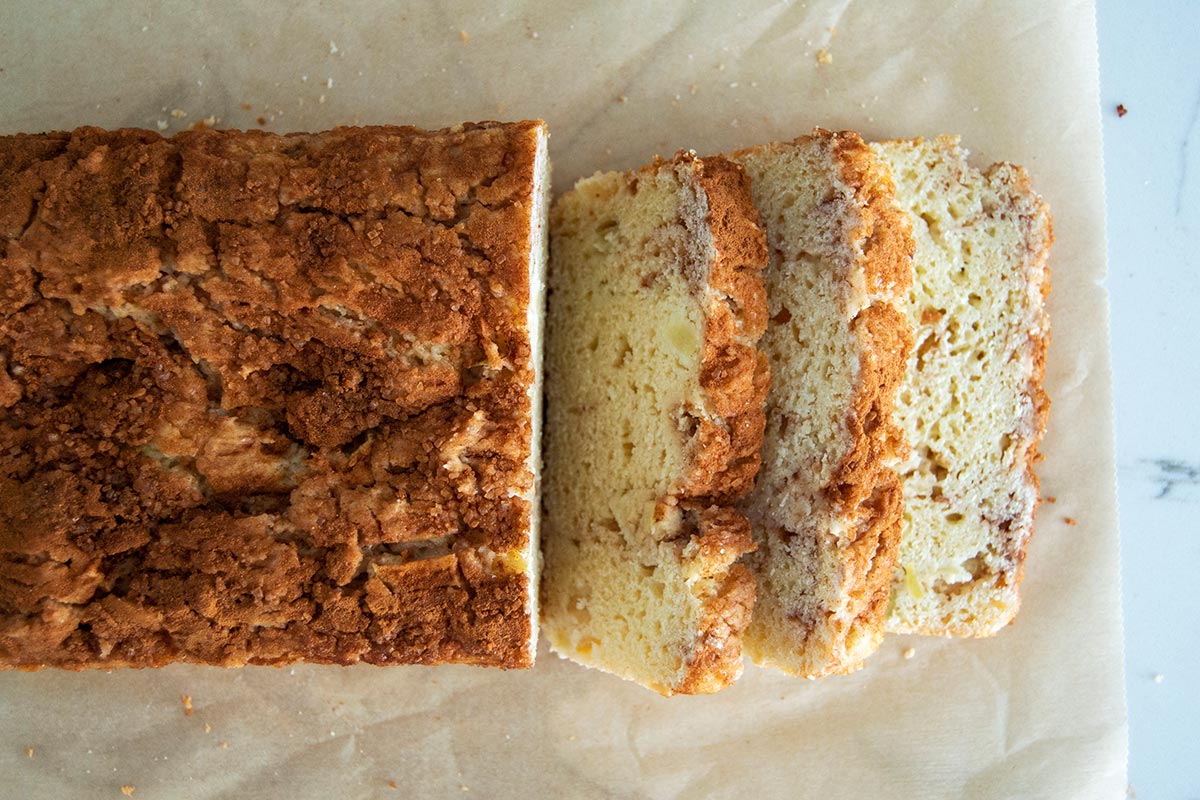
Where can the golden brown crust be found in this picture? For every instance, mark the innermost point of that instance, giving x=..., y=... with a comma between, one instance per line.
x=264, y=397
x=725, y=448
x=734, y=375
x=716, y=657
x=864, y=485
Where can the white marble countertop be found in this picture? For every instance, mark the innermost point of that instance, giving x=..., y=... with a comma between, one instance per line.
x=1149, y=62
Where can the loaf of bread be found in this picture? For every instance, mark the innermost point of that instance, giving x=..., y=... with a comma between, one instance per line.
x=270, y=398
x=972, y=404
x=826, y=507
x=654, y=397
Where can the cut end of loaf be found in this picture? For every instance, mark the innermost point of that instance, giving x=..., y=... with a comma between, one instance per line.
x=972, y=406
x=654, y=402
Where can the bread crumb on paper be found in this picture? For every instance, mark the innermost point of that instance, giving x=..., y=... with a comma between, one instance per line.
x=1051, y=499
x=824, y=57
x=1070, y=520
x=29, y=751
x=909, y=652
x=333, y=48
x=224, y=745
x=1121, y=110
x=463, y=35
x=207, y=728
x=392, y=785
x=187, y=705
x=127, y=790
x=246, y=106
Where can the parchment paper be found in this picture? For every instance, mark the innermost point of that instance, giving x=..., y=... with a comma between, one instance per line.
x=1037, y=711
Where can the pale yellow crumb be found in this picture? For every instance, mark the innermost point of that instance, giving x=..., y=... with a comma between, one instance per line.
x=187, y=705
x=463, y=35
x=207, y=728
x=29, y=752
x=127, y=790
x=392, y=785
x=224, y=745
x=909, y=652
x=824, y=57
x=622, y=98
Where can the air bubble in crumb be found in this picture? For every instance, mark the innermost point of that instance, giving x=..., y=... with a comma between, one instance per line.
x=909, y=652
x=824, y=57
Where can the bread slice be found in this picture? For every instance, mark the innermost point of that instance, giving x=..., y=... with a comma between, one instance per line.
x=655, y=396
x=266, y=399
x=826, y=507
x=972, y=404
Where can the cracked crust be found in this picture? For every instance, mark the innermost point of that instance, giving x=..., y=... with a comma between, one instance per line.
x=265, y=398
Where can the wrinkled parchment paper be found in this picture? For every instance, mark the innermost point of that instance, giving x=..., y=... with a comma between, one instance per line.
x=1037, y=711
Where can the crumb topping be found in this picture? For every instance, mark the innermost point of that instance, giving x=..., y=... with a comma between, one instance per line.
x=264, y=398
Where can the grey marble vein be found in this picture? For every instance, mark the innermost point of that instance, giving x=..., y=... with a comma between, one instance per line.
x=1171, y=474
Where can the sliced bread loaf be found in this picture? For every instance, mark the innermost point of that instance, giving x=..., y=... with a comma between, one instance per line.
x=826, y=506
x=972, y=405
x=654, y=394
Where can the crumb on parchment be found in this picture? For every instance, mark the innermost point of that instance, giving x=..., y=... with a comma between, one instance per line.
x=824, y=57
x=1070, y=520
x=463, y=35
x=392, y=785
x=187, y=705
x=29, y=751
x=1121, y=110
x=909, y=652
x=127, y=790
